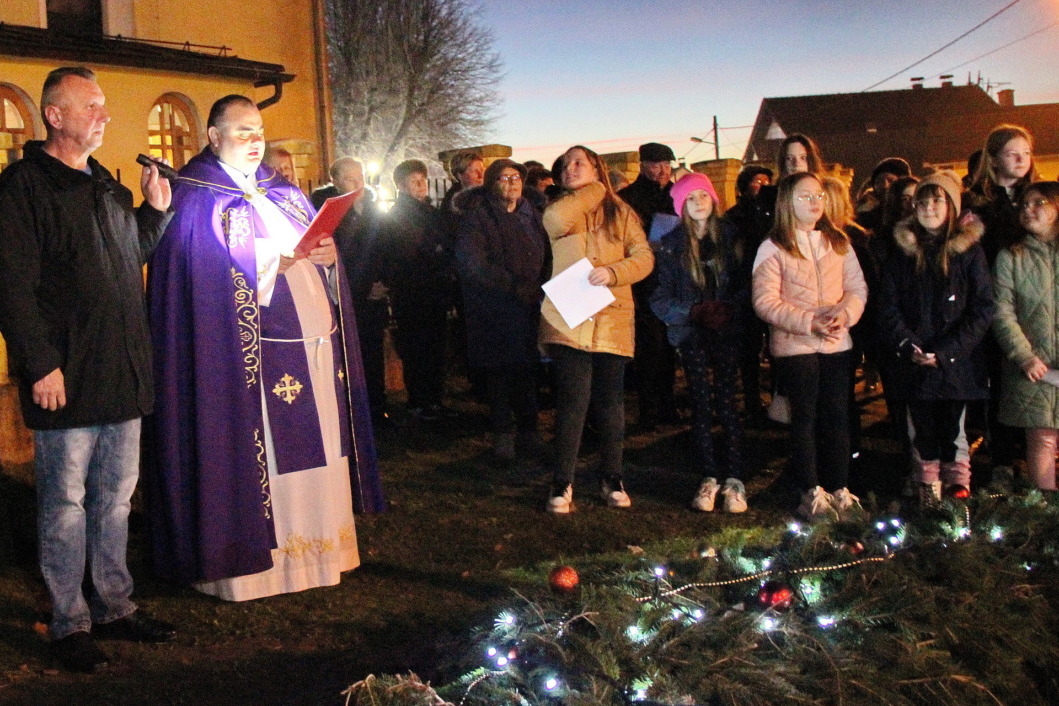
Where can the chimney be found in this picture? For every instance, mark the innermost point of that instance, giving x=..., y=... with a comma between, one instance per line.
x=1006, y=98
x=946, y=81
x=917, y=83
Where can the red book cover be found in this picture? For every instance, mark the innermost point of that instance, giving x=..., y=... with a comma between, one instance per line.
x=325, y=223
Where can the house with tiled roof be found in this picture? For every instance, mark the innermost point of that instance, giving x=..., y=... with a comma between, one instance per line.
x=928, y=127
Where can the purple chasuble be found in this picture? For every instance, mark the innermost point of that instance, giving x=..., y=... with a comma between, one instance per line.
x=215, y=350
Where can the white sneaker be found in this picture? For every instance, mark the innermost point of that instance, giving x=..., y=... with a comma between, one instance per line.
x=734, y=496
x=706, y=495
x=614, y=493
x=817, y=504
x=562, y=504
x=845, y=503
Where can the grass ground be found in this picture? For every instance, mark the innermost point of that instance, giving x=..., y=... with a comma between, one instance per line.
x=438, y=562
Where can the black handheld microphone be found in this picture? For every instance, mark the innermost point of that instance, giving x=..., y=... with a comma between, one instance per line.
x=164, y=169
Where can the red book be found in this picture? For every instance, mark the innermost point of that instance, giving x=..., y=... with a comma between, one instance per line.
x=325, y=223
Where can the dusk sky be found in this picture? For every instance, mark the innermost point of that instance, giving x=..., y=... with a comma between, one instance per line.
x=615, y=74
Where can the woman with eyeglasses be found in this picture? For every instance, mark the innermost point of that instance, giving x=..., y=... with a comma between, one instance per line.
x=937, y=306
x=590, y=221
x=809, y=288
x=501, y=256
x=1026, y=278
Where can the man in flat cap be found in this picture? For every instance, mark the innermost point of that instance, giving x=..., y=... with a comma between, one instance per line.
x=654, y=366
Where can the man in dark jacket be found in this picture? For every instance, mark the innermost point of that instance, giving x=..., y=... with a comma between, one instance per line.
x=649, y=194
x=418, y=268
x=347, y=174
x=359, y=245
x=654, y=366
x=72, y=311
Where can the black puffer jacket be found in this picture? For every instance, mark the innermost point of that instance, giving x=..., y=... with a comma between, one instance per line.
x=948, y=316
x=72, y=248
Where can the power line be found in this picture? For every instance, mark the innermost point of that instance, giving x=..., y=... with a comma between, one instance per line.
x=941, y=49
x=994, y=51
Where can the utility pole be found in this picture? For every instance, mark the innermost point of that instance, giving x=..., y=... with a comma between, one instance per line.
x=716, y=140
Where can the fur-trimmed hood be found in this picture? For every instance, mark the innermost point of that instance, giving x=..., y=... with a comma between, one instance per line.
x=969, y=230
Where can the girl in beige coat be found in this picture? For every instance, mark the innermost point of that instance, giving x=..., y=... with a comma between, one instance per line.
x=809, y=288
x=590, y=221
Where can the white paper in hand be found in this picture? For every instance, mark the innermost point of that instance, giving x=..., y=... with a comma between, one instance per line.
x=1051, y=377
x=574, y=298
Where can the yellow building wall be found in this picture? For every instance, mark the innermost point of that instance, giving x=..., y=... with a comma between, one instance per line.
x=22, y=12
x=130, y=94
x=258, y=30
x=288, y=33
x=261, y=30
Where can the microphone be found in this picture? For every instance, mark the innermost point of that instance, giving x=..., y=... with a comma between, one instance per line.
x=164, y=170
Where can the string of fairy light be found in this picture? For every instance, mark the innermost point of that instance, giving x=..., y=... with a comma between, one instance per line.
x=890, y=533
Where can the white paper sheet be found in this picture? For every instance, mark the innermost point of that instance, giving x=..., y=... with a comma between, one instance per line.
x=574, y=298
x=1051, y=377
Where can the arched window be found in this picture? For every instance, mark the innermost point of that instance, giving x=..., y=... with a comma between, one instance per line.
x=172, y=130
x=16, y=124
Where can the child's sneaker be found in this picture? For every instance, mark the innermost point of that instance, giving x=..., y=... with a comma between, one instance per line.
x=614, y=493
x=846, y=503
x=817, y=504
x=706, y=495
x=562, y=503
x=734, y=496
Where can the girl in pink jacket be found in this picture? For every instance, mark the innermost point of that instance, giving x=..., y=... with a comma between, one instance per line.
x=808, y=287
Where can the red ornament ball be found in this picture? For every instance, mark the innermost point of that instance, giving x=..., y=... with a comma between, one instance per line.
x=775, y=595
x=563, y=579
x=854, y=547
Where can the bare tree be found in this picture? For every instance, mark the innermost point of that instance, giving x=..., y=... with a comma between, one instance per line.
x=410, y=77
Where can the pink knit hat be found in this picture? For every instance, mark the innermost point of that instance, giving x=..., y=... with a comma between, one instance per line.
x=688, y=183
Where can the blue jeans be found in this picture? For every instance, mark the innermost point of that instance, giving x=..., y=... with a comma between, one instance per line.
x=85, y=479
x=582, y=377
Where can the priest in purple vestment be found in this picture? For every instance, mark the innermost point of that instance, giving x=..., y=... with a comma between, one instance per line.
x=263, y=440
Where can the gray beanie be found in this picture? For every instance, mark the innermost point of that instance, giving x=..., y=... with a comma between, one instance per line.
x=949, y=182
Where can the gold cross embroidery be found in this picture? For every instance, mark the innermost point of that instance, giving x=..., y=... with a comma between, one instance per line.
x=341, y=375
x=287, y=388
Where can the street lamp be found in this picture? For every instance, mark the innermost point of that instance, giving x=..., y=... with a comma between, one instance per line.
x=716, y=142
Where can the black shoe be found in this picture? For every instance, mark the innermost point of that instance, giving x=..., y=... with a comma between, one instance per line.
x=78, y=653
x=136, y=627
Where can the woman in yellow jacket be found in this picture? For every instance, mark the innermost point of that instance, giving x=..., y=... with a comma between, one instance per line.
x=590, y=221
